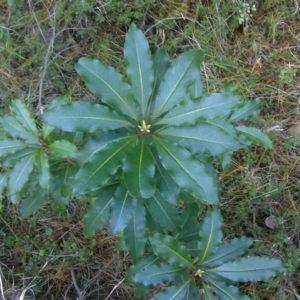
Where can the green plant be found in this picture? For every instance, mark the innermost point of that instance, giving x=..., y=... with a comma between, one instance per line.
x=139, y=155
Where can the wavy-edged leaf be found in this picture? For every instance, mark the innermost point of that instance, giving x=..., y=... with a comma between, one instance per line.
x=33, y=202
x=228, y=251
x=171, y=250
x=3, y=181
x=139, y=66
x=135, y=233
x=210, y=234
x=20, y=173
x=161, y=63
x=196, y=89
x=176, y=81
x=98, y=213
x=188, y=216
x=43, y=169
x=163, y=212
x=188, y=172
x=83, y=116
x=175, y=292
x=11, y=159
x=24, y=116
x=165, y=184
x=121, y=209
x=206, y=107
x=256, y=136
x=11, y=126
x=226, y=291
x=62, y=149
x=202, y=138
x=208, y=293
x=98, y=169
x=109, y=85
x=248, y=109
x=11, y=146
x=189, y=235
x=157, y=274
x=250, y=269
x=139, y=169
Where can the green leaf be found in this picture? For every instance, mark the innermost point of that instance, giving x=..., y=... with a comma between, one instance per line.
x=161, y=63
x=62, y=149
x=196, y=89
x=139, y=170
x=99, y=167
x=11, y=159
x=139, y=66
x=208, y=293
x=24, y=116
x=188, y=172
x=10, y=147
x=98, y=213
x=175, y=292
x=256, y=136
x=202, y=138
x=20, y=173
x=189, y=235
x=177, y=80
x=163, y=212
x=16, y=130
x=165, y=184
x=83, y=116
x=57, y=101
x=33, y=202
x=225, y=160
x=157, y=274
x=121, y=209
x=228, y=251
x=109, y=85
x=227, y=292
x=171, y=250
x=210, y=234
x=250, y=269
x=135, y=233
x=206, y=107
x=3, y=182
x=43, y=169
x=248, y=109
x=189, y=216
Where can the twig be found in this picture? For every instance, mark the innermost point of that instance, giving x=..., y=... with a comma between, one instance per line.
x=76, y=285
x=115, y=287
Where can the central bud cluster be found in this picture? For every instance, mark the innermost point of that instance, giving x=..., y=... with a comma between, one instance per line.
x=144, y=127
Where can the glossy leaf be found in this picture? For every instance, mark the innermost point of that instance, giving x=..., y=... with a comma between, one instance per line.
x=256, y=136
x=3, y=181
x=12, y=159
x=228, y=251
x=98, y=169
x=16, y=130
x=161, y=63
x=33, y=202
x=208, y=293
x=83, y=116
x=135, y=233
x=139, y=66
x=189, y=216
x=188, y=172
x=225, y=160
x=98, y=213
x=11, y=146
x=206, y=107
x=171, y=250
x=20, y=173
x=227, y=292
x=43, y=169
x=250, y=269
x=157, y=274
x=139, y=170
x=24, y=116
x=202, y=138
x=210, y=234
x=189, y=235
x=165, y=184
x=163, y=212
x=248, y=109
x=121, y=209
x=175, y=292
x=109, y=85
x=196, y=89
x=62, y=149
x=176, y=81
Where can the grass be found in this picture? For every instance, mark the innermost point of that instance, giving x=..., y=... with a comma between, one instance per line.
x=46, y=256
